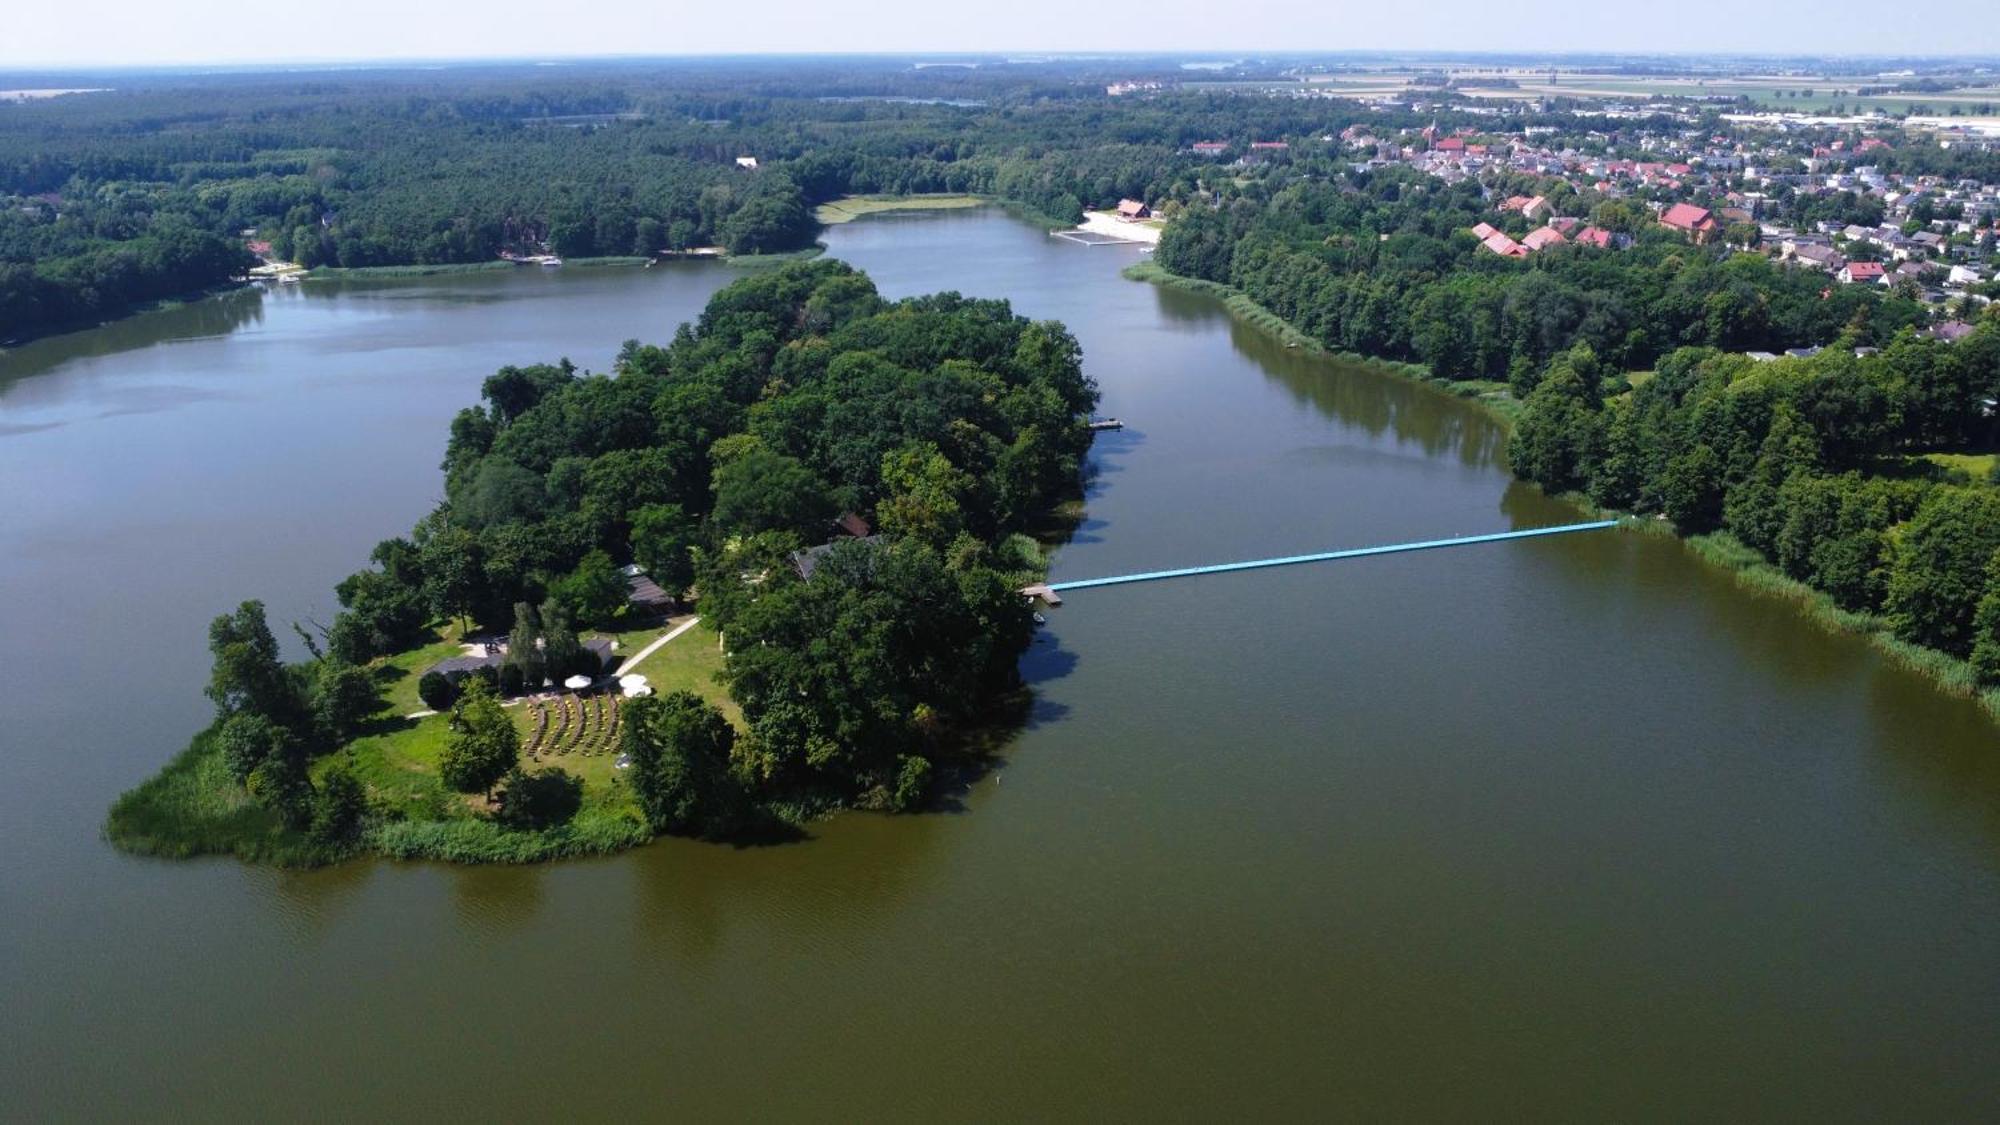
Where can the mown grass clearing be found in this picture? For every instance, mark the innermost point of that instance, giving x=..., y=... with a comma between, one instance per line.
x=1978, y=466
x=691, y=662
x=848, y=208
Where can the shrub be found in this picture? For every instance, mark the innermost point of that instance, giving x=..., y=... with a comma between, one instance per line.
x=280, y=784
x=246, y=740
x=437, y=692
x=513, y=681
x=542, y=799
x=338, y=809
x=913, y=783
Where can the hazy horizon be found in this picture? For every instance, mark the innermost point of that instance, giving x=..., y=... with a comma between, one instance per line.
x=238, y=33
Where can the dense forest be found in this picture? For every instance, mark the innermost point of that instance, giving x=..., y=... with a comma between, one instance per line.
x=111, y=199
x=716, y=460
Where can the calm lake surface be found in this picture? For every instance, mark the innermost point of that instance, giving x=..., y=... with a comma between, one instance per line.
x=1566, y=828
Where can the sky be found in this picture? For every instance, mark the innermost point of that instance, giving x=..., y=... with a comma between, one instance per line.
x=40, y=33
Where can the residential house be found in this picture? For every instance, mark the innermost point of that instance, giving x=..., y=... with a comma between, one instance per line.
x=1542, y=237
x=1695, y=222
x=646, y=595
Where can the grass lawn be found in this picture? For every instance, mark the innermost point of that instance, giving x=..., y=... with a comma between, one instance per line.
x=630, y=639
x=396, y=676
x=194, y=807
x=1978, y=466
x=398, y=760
x=691, y=662
x=848, y=208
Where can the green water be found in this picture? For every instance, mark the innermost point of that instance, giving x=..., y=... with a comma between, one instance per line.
x=1566, y=828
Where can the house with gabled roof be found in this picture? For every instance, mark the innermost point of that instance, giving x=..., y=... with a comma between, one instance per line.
x=1695, y=222
x=1543, y=237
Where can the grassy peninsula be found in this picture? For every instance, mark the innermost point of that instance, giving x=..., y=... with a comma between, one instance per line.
x=843, y=489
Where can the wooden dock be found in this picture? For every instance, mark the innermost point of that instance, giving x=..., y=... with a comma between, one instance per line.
x=1047, y=595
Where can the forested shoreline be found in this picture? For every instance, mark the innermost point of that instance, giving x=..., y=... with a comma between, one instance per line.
x=119, y=198
x=1627, y=375
x=719, y=462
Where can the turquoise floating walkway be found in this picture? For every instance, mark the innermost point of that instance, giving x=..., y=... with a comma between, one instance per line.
x=1329, y=556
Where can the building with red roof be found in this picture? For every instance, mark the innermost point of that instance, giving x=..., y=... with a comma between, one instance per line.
x=1695, y=222
x=1543, y=237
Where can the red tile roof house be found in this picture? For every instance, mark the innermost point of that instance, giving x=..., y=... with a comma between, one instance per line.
x=1451, y=144
x=1693, y=221
x=1132, y=210
x=1209, y=148
x=1485, y=231
x=1592, y=236
x=1861, y=271
x=1536, y=208
x=1505, y=247
x=1543, y=237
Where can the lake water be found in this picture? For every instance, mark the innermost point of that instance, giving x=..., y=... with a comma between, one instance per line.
x=1561, y=828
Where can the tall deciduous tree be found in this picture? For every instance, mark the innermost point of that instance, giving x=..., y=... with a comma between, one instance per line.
x=483, y=743
x=766, y=491
x=663, y=542
x=247, y=675
x=680, y=745
x=1939, y=573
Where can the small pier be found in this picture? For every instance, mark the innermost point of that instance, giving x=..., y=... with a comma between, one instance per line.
x=1107, y=424
x=1094, y=238
x=1044, y=592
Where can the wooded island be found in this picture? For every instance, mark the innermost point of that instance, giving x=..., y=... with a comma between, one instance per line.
x=841, y=485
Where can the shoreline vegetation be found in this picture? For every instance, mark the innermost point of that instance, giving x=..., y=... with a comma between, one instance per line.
x=1749, y=569
x=1493, y=397
x=852, y=491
